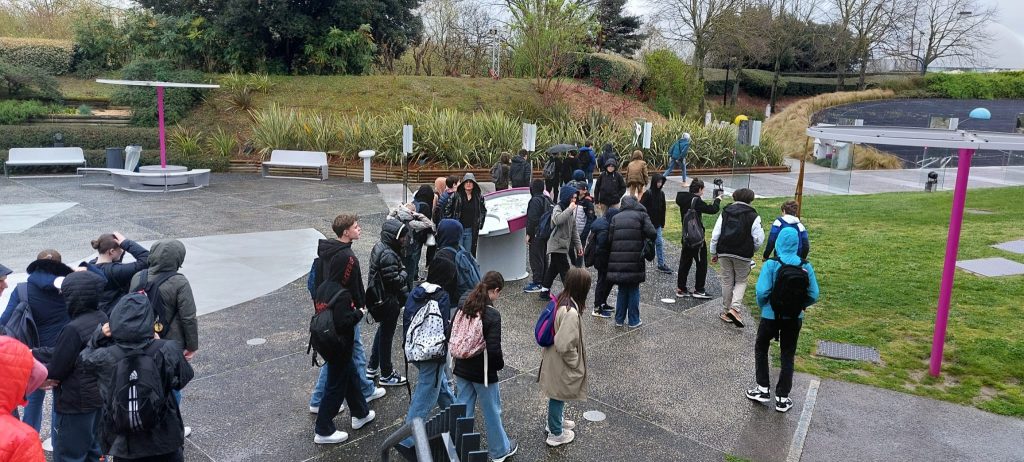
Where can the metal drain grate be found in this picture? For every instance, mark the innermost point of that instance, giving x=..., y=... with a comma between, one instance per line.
x=847, y=351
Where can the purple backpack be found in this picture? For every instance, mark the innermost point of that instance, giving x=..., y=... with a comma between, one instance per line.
x=544, y=331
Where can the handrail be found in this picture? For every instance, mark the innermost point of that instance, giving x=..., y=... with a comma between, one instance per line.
x=418, y=431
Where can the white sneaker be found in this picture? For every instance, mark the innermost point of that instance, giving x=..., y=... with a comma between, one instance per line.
x=314, y=409
x=379, y=392
x=566, y=425
x=188, y=431
x=566, y=437
x=48, y=445
x=360, y=423
x=338, y=437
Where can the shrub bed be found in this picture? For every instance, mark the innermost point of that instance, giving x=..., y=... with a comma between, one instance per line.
x=52, y=56
x=13, y=112
x=615, y=73
x=85, y=137
x=995, y=85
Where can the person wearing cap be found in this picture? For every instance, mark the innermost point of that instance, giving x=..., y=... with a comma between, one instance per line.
x=4, y=272
x=48, y=311
x=677, y=156
x=21, y=376
x=467, y=206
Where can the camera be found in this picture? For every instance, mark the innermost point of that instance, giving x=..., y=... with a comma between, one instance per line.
x=719, y=189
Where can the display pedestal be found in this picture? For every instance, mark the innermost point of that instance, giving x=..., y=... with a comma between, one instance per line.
x=160, y=181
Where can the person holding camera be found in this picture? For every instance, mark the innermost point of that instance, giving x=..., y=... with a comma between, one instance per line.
x=698, y=254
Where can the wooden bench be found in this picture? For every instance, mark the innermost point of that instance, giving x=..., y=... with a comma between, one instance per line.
x=296, y=159
x=35, y=157
x=152, y=182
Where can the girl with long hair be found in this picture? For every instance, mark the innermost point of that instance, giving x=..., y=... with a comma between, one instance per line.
x=563, y=367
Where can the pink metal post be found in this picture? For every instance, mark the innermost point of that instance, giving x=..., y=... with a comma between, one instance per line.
x=956, y=218
x=160, y=117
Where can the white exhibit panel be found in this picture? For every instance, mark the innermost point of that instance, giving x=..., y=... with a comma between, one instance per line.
x=502, y=245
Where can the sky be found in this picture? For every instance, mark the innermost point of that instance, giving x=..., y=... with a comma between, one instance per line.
x=1006, y=48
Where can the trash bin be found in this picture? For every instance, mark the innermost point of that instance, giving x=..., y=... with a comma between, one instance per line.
x=115, y=158
x=132, y=155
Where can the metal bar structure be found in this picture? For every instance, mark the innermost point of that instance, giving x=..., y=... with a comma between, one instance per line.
x=418, y=431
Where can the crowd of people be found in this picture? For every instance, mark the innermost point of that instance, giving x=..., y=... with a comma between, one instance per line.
x=111, y=333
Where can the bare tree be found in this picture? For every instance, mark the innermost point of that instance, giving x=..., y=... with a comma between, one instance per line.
x=480, y=31
x=788, y=18
x=942, y=29
x=873, y=22
x=697, y=23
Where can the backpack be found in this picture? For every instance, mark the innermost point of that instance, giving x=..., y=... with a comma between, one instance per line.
x=693, y=230
x=550, y=172
x=590, y=250
x=152, y=290
x=323, y=335
x=544, y=227
x=467, y=339
x=468, y=271
x=425, y=339
x=311, y=281
x=789, y=292
x=138, y=396
x=21, y=325
x=544, y=330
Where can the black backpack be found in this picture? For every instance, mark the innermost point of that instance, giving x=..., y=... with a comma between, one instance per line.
x=152, y=291
x=323, y=335
x=21, y=325
x=544, y=227
x=789, y=292
x=138, y=398
x=693, y=229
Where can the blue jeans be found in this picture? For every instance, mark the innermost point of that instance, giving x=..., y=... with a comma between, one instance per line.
x=412, y=265
x=672, y=163
x=431, y=388
x=359, y=357
x=467, y=239
x=33, y=412
x=490, y=404
x=556, y=411
x=628, y=301
x=659, y=248
x=75, y=437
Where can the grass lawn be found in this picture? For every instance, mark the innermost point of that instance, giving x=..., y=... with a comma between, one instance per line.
x=879, y=263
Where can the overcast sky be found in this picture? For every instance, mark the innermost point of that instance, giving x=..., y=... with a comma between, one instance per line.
x=1006, y=49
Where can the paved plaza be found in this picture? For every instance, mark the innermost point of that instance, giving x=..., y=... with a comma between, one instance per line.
x=672, y=390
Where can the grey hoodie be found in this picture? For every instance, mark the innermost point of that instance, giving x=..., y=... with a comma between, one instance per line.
x=179, y=304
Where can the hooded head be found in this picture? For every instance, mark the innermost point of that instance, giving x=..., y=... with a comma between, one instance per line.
x=131, y=320
x=537, y=187
x=469, y=178
x=611, y=212
x=686, y=136
x=424, y=194
x=610, y=163
x=17, y=363
x=449, y=233
x=565, y=195
x=166, y=255
x=578, y=175
x=82, y=291
x=629, y=203
x=786, y=245
x=392, y=234
x=607, y=150
x=638, y=155
x=657, y=181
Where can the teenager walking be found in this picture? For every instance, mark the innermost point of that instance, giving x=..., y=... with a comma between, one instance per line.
x=677, y=156
x=630, y=230
x=501, y=171
x=477, y=377
x=610, y=186
x=788, y=219
x=563, y=365
x=654, y=201
x=599, y=239
x=520, y=170
x=689, y=256
x=736, y=237
x=636, y=174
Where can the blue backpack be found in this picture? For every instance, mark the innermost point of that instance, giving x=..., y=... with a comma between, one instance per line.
x=21, y=325
x=544, y=330
x=468, y=271
x=544, y=227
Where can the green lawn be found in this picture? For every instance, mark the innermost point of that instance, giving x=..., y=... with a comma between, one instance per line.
x=879, y=263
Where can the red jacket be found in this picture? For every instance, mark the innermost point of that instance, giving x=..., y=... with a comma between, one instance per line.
x=18, y=441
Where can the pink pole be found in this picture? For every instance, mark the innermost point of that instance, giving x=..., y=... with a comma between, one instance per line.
x=956, y=219
x=160, y=116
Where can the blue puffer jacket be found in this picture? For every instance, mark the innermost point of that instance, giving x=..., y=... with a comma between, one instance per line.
x=785, y=247
x=48, y=308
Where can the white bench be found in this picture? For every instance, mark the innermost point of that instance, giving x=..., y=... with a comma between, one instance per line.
x=170, y=181
x=31, y=157
x=299, y=159
x=108, y=172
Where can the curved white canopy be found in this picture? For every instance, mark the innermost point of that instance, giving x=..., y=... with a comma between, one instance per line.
x=921, y=137
x=148, y=83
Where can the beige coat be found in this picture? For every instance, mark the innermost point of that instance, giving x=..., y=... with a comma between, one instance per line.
x=563, y=366
x=636, y=173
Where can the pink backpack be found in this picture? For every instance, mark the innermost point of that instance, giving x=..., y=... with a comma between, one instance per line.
x=467, y=339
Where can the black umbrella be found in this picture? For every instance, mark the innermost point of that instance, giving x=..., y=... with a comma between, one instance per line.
x=560, y=148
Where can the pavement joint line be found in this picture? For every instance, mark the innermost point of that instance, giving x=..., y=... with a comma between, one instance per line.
x=201, y=451
x=796, y=447
x=246, y=366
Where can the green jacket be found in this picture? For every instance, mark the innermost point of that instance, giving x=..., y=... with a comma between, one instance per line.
x=179, y=303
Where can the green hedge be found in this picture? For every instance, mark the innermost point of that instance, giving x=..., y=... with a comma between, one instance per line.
x=85, y=137
x=52, y=56
x=812, y=86
x=995, y=85
x=13, y=112
x=615, y=73
x=177, y=101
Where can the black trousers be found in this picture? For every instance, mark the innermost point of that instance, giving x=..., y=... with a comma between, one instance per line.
x=538, y=260
x=686, y=259
x=342, y=385
x=558, y=265
x=176, y=456
x=602, y=288
x=789, y=332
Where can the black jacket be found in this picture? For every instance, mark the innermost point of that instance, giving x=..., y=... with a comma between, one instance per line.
x=608, y=154
x=683, y=200
x=629, y=229
x=119, y=275
x=131, y=326
x=521, y=172
x=458, y=202
x=78, y=391
x=567, y=168
x=341, y=265
x=539, y=203
x=386, y=260
x=735, y=239
x=472, y=369
x=600, y=232
x=610, y=187
x=654, y=201
x=442, y=270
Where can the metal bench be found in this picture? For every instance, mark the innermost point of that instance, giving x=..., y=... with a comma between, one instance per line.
x=41, y=157
x=160, y=182
x=107, y=172
x=296, y=159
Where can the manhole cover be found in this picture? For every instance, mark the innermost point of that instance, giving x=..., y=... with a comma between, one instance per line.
x=256, y=341
x=668, y=300
x=847, y=351
x=593, y=416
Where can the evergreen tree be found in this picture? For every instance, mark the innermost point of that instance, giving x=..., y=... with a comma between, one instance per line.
x=618, y=33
